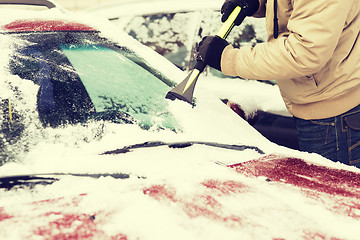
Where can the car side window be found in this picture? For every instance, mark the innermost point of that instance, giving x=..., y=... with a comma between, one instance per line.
x=167, y=34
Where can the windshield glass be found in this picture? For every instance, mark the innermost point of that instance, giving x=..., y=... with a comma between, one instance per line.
x=83, y=76
x=114, y=82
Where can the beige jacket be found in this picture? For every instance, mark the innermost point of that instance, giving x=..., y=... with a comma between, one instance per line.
x=315, y=59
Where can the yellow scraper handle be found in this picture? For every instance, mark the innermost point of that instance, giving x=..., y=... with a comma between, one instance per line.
x=229, y=23
x=184, y=91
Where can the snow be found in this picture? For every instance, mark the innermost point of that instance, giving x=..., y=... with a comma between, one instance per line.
x=139, y=7
x=185, y=193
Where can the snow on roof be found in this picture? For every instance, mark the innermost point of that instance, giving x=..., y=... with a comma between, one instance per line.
x=44, y=25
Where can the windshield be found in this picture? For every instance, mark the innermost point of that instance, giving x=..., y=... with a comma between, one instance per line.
x=83, y=76
x=114, y=82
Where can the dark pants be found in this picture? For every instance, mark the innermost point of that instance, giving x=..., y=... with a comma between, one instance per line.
x=336, y=138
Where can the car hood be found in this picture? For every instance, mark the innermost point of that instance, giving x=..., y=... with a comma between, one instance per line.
x=273, y=196
x=123, y=187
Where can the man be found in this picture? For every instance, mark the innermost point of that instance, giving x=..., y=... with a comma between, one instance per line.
x=313, y=51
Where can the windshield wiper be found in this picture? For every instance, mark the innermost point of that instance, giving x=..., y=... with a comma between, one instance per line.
x=8, y=182
x=151, y=144
x=30, y=180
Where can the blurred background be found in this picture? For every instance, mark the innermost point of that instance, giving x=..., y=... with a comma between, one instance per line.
x=75, y=5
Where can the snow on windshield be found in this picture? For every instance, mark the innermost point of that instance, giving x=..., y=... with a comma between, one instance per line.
x=205, y=125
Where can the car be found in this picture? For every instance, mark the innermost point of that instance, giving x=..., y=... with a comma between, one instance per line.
x=158, y=25
x=92, y=149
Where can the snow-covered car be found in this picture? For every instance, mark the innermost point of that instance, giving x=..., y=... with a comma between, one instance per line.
x=159, y=24
x=91, y=149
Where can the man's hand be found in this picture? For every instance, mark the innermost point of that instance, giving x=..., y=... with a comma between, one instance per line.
x=210, y=50
x=248, y=8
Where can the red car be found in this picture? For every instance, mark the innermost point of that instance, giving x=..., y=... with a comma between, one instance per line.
x=91, y=149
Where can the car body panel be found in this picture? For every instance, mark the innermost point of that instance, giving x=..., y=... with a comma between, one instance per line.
x=42, y=25
x=147, y=210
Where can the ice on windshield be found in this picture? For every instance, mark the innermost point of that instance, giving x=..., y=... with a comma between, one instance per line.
x=114, y=82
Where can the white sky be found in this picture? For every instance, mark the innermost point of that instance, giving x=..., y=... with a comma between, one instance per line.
x=80, y=4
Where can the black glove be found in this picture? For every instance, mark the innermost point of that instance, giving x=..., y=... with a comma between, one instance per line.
x=248, y=8
x=210, y=50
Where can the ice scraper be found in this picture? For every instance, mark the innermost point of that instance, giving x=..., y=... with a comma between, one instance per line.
x=184, y=90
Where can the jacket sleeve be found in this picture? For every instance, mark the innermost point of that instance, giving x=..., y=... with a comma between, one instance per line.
x=314, y=29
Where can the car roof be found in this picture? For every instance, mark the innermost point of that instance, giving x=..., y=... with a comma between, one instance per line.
x=144, y=7
x=52, y=17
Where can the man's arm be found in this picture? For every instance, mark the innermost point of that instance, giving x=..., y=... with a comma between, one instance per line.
x=314, y=29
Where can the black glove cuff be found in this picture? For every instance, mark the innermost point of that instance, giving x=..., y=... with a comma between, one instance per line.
x=251, y=7
x=213, y=58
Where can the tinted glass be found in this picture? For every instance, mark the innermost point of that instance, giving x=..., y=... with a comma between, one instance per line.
x=82, y=76
x=116, y=83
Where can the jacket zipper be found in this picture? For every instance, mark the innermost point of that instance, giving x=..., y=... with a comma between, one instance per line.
x=276, y=23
